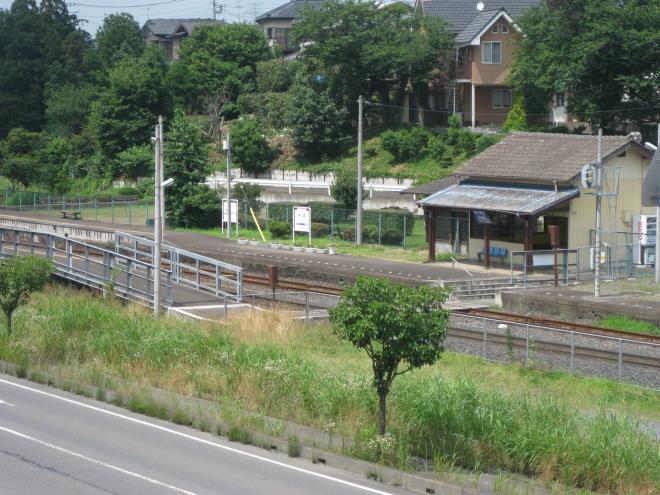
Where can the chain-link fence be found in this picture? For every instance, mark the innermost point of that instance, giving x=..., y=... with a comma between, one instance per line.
x=630, y=361
x=115, y=211
x=392, y=226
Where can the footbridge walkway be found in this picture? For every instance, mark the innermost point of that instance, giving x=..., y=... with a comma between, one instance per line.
x=127, y=271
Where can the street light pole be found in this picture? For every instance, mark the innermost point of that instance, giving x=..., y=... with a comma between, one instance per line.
x=161, y=161
x=228, y=220
x=157, y=222
x=656, y=259
x=358, y=223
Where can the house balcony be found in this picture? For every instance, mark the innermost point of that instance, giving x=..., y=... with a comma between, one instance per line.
x=463, y=71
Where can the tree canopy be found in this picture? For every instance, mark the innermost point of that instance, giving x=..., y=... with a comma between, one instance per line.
x=249, y=147
x=219, y=58
x=42, y=48
x=365, y=47
x=605, y=54
x=118, y=36
x=399, y=327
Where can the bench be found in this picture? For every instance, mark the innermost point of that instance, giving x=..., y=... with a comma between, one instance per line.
x=494, y=252
x=73, y=215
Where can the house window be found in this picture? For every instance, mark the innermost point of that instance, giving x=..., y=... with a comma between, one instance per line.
x=505, y=28
x=494, y=28
x=502, y=98
x=560, y=100
x=491, y=52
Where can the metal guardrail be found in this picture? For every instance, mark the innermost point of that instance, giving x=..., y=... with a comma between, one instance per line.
x=574, y=264
x=127, y=277
x=460, y=265
x=201, y=272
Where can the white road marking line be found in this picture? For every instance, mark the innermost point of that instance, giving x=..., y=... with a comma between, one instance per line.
x=3, y=403
x=196, y=439
x=96, y=461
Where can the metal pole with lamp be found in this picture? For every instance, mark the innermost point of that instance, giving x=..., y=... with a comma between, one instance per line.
x=358, y=222
x=226, y=145
x=157, y=222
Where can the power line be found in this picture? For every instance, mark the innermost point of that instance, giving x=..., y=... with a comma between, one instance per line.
x=88, y=5
x=615, y=110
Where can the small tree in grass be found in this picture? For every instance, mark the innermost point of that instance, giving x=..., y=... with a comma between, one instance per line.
x=19, y=278
x=399, y=327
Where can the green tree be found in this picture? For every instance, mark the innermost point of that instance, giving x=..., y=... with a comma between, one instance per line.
x=344, y=188
x=249, y=146
x=365, y=47
x=136, y=161
x=318, y=127
x=119, y=36
x=57, y=167
x=187, y=162
x=277, y=75
x=68, y=107
x=41, y=47
x=127, y=111
x=604, y=54
x=19, y=278
x=399, y=327
x=19, y=156
x=218, y=58
x=201, y=209
x=516, y=120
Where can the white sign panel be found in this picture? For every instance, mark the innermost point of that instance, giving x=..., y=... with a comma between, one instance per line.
x=234, y=211
x=302, y=219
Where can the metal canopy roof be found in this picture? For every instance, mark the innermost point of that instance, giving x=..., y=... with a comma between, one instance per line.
x=505, y=199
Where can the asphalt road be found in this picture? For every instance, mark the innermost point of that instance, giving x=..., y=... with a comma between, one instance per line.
x=52, y=442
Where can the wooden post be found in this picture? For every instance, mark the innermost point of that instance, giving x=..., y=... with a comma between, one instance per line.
x=486, y=247
x=430, y=218
x=529, y=242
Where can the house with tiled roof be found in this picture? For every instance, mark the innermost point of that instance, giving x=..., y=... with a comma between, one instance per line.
x=169, y=33
x=507, y=196
x=277, y=23
x=486, y=35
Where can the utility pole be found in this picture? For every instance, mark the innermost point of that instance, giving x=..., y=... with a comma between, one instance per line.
x=157, y=222
x=161, y=162
x=599, y=194
x=228, y=148
x=358, y=222
x=656, y=259
x=214, y=11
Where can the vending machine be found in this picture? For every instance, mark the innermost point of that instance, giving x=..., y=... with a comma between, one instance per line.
x=645, y=228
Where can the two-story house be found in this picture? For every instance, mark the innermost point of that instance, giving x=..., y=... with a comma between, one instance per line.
x=278, y=23
x=170, y=33
x=476, y=88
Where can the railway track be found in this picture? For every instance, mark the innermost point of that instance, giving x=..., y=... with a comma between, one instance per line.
x=291, y=285
x=561, y=325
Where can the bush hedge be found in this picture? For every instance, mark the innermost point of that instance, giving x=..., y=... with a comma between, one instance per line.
x=280, y=230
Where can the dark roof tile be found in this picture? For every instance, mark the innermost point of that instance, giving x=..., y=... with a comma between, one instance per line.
x=289, y=10
x=460, y=13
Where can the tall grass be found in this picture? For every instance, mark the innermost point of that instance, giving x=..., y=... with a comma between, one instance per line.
x=620, y=322
x=273, y=366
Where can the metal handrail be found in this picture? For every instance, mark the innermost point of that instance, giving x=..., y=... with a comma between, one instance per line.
x=454, y=261
x=182, y=261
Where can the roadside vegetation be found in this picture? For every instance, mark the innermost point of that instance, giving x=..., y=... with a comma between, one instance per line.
x=459, y=413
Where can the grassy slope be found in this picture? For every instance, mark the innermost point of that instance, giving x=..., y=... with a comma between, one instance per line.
x=472, y=413
x=378, y=163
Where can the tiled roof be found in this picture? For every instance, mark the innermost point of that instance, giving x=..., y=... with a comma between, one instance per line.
x=477, y=24
x=460, y=13
x=165, y=27
x=542, y=157
x=289, y=10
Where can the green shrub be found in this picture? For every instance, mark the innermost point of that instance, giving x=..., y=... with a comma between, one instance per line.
x=280, y=230
x=347, y=235
x=320, y=229
x=392, y=237
x=437, y=147
x=201, y=209
x=406, y=144
x=370, y=234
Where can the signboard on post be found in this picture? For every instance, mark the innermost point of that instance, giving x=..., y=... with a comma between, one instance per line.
x=302, y=221
x=225, y=214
